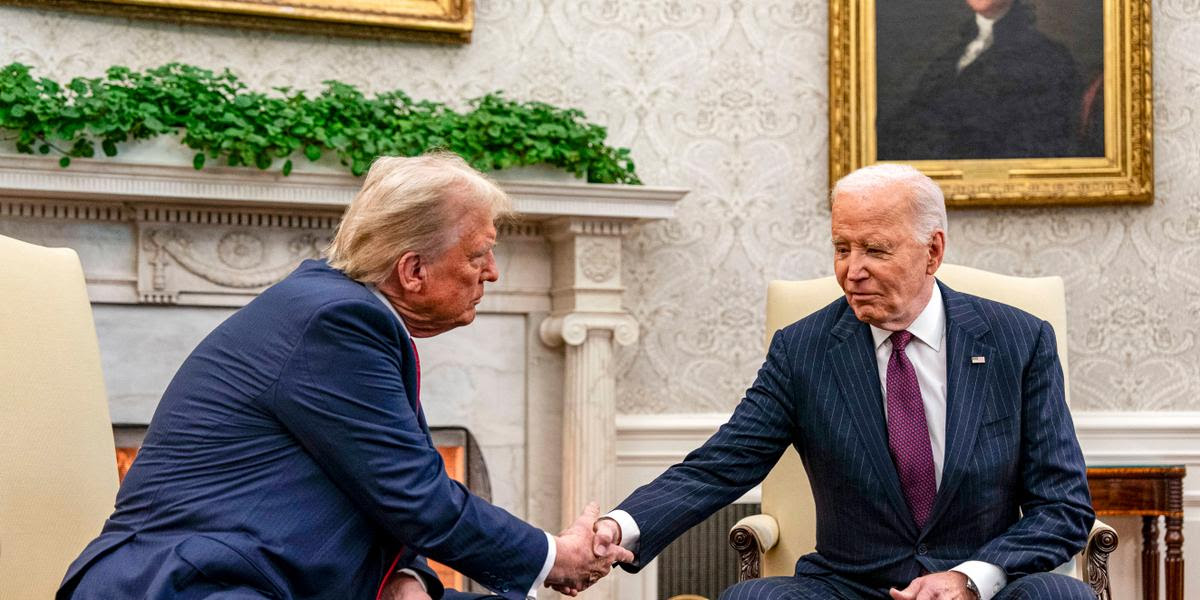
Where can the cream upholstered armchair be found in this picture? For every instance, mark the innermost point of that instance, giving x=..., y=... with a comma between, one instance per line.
x=58, y=471
x=771, y=542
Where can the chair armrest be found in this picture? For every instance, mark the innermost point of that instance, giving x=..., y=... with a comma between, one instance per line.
x=1100, y=543
x=751, y=537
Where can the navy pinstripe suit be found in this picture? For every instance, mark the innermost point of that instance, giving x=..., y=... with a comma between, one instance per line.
x=1014, y=491
x=287, y=459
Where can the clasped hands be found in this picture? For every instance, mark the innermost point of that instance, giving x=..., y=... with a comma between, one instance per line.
x=586, y=551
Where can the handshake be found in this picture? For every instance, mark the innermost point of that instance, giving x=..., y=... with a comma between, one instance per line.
x=586, y=551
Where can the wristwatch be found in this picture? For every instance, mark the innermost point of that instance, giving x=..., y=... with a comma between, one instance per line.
x=974, y=589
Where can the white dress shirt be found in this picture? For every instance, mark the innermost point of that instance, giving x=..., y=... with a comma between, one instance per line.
x=928, y=357
x=551, y=549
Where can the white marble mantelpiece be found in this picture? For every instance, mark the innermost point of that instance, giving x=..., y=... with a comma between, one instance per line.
x=169, y=252
x=28, y=176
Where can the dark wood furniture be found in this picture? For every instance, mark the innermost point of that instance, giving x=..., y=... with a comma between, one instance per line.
x=1148, y=492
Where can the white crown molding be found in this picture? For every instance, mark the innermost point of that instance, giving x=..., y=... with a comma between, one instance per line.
x=23, y=176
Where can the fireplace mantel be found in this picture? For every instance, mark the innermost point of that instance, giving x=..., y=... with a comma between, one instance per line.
x=28, y=177
x=219, y=236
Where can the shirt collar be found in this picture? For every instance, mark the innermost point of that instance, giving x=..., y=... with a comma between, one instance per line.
x=929, y=326
x=378, y=294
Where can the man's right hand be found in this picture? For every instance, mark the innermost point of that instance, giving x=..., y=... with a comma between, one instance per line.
x=576, y=564
x=947, y=585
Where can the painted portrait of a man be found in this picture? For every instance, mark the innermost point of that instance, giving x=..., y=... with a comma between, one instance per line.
x=989, y=79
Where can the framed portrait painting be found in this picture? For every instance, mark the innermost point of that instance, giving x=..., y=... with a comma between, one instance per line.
x=424, y=20
x=1002, y=102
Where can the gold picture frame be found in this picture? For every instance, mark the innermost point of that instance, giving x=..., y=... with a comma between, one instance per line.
x=1115, y=167
x=447, y=21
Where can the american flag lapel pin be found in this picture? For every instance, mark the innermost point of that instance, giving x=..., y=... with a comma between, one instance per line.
x=978, y=360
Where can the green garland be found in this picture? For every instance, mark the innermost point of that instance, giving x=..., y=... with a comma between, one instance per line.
x=221, y=119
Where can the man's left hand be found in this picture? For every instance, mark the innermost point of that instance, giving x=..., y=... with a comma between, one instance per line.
x=948, y=585
x=403, y=586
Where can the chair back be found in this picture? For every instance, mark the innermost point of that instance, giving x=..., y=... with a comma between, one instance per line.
x=58, y=473
x=786, y=494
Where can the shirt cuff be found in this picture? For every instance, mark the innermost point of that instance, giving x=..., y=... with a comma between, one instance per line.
x=989, y=578
x=415, y=575
x=629, y=529
x=551, y=554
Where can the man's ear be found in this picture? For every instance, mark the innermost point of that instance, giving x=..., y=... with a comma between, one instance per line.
x=410, y=272
x=937, y=251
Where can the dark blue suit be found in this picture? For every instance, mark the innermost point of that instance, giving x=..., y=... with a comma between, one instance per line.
x=287, y=460
x=1011, y=450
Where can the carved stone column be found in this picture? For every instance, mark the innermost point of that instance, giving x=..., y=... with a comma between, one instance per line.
x=588, y=319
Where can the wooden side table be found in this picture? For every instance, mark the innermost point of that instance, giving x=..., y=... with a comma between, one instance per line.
x=1148, y=492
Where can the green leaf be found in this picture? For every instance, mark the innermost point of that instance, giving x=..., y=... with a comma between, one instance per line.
x=217, y=116
x=64, y=162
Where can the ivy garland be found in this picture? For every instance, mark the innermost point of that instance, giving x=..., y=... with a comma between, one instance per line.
x=220, y=118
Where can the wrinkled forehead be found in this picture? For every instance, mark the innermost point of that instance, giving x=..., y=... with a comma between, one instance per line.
x=892, y=201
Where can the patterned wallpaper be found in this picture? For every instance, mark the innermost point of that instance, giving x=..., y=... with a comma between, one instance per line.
x=728, y=98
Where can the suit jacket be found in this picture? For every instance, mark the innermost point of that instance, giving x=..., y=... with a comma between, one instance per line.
x=1017, y=99
x=1013, y=492
x=287, y=459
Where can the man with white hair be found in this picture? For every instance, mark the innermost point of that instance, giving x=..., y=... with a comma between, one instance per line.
x=290, y=457
x=932, y=425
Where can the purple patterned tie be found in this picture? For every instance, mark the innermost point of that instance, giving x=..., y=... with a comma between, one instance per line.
x=908, y=434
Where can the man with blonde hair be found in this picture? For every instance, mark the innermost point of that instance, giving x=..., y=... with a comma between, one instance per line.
x=290, y=457
x=932, y=425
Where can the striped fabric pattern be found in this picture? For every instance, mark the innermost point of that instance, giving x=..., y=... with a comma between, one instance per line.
x=1040, y=586
x=1014, y=491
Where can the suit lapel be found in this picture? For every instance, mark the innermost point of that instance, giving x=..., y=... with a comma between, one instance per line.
x=857, y=373
x=968, y=384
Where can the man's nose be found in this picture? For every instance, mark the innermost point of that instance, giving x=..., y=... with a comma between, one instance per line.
x=856, y=266
x=490, y=271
